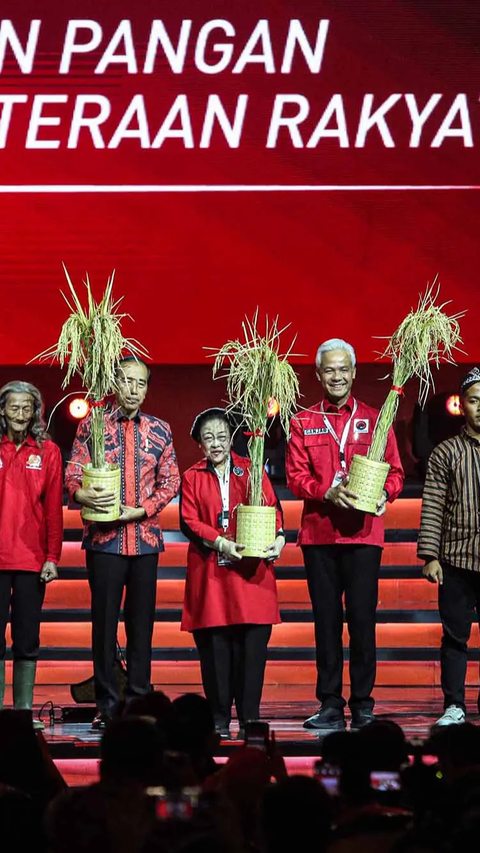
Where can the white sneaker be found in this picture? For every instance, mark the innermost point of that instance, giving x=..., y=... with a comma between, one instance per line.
x=453, y=716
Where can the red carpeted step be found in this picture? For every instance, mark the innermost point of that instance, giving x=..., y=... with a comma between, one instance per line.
x=394, y=594
x=186, y=674
x=175, y=554
x=403, y=514
x=286, y=635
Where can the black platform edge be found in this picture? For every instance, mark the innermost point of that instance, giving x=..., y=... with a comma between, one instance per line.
x=282, y=572
x=174, y=614
x=306, y=654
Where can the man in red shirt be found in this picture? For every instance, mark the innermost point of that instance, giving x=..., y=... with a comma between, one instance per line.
x=341, y=546
x=31, y=530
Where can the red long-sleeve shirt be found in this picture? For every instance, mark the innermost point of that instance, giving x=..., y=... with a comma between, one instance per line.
x=312, y=461
x=31, y=522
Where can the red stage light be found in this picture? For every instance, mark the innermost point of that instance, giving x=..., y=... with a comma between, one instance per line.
x=453, y=405
x=272, y=407
x=79, y=408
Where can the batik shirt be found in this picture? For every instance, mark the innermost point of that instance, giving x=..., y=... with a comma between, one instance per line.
x=143, y=448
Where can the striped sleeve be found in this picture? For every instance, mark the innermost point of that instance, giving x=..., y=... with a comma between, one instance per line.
x=433, y=504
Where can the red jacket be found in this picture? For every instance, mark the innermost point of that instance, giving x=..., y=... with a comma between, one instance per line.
x=31, y=521
x=312, y=461
x=240, y=593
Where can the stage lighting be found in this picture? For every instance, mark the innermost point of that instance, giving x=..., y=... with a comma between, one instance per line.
x=79, y=408
x=453, y=405
x=273, y=408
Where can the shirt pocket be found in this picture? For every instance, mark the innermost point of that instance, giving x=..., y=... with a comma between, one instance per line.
x=318, y=445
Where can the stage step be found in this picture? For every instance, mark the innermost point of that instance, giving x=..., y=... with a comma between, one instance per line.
x=185, y=675
x=403, y=514
x=394, y=594
x=288, y=635
x=175, y=554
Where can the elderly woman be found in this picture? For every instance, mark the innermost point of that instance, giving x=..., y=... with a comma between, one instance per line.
x=31, y=530
x=230, y=601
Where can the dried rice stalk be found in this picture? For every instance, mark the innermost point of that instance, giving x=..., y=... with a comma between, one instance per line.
x=426, y=336
x=91, y=343
x=255, y=372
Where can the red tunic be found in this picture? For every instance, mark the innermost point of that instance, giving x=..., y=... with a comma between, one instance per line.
x=31, y=486
x=312, y=460
x=241, y=593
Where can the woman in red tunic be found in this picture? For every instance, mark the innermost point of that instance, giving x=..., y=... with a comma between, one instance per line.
x=230, y=601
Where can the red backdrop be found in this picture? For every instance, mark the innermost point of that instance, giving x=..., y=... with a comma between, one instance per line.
x=190, y=264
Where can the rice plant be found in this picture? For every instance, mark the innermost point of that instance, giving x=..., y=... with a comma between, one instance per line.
x=256, y=372
x=426, y=337
x=91, y=344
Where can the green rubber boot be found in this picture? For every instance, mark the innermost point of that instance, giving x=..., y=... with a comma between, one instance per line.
x=23, y=683
x=2, y=682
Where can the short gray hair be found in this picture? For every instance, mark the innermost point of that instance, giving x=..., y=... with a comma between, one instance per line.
x=335, y=343
x=37, y=427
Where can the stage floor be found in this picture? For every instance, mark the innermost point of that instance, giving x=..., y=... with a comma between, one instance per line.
x=77, y=740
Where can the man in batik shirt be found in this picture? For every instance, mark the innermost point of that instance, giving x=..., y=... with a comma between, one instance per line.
x=124, y=554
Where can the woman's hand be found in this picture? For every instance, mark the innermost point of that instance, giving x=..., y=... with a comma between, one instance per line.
x=229, y=548
x=272, y=552
x=49, y=572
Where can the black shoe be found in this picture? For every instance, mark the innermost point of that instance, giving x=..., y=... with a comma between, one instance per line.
x=100, y=721
x=223, y=731
x=362, y=718
x=326, y=719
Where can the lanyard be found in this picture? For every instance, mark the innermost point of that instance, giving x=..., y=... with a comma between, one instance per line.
x=225, y=494
x=343, y=440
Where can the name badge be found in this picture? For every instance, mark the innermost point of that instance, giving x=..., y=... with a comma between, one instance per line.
x=317, y=431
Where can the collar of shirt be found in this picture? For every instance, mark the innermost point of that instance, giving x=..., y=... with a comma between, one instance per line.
x=470, y=438
x=328, y=406
x=117, y=415
x=30, y=441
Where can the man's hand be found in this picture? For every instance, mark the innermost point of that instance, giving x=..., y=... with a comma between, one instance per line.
x=273, y=551
x=340, y=496
x=49, y=572
x=230, y=549
x=132, y=513
x=96, y=498
x=433, y=572
x=381, y=505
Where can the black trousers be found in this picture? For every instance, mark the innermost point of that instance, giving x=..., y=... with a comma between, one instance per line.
x=459, y=604
x=108, y=576
x=22, y=593
x=232, y=660
x=334, y=570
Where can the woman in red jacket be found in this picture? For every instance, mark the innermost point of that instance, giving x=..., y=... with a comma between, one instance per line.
x=230, y=601
x=31, y=530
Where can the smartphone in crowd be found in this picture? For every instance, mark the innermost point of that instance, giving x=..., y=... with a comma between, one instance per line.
x=385, y=780
x=257, y=734
x=328, y=775
x=175, y=805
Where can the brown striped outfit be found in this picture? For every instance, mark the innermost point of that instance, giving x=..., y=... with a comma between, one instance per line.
x=450, y=533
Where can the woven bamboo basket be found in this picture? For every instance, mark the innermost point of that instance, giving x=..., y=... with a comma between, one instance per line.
x=110, y=480
x=256, y=529
x=367, y=478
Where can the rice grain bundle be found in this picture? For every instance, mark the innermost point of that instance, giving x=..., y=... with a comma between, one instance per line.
x=91, y=343
x=426, y=336
x=257, y=373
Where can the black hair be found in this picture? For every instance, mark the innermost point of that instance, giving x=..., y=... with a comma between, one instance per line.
x=208, y=415
x=128, y=359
